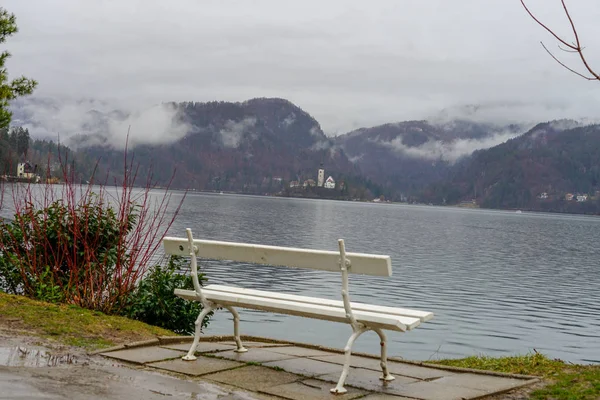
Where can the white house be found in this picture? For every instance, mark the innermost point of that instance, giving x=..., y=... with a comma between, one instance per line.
x=329, y=183
x=582, y=197
x=24, y=170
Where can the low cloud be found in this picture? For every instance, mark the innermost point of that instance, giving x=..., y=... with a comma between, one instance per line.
x=448, y=151
x=233, y=132
x=289, y=120
x=517, y=112
x=85, y=123
x=321, y=145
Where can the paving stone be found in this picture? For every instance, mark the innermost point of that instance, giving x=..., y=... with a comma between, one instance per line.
x=369, y=380
x=300, y=351
x=253, y=377
x=203, y=347
x=254, y=355
x=312, y=390
x=236, y=393
x=395, y=368
x=435, y=391
x=487, y=383
x=380, y=396
x=142, y=355
x=200, y=366
x=306, y=366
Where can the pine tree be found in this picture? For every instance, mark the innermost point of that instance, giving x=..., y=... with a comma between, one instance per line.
x=10, y=89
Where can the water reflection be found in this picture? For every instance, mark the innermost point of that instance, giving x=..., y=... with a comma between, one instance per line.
x=499, y=282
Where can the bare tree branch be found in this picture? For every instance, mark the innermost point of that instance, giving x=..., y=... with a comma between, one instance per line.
x=565, y=66
x=575, y=47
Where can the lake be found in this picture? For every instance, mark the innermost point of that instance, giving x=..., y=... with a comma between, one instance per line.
x=499, y=282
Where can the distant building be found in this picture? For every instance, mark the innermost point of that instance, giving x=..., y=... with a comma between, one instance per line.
x=24, y=170
x=277, y=179
x=543, y=195
x=310, y=183
x=582, y=197
x=569, y=197
x=294, y=184
x=321, y=176
x=329, y=183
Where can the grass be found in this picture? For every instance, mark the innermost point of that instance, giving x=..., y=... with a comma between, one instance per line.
x=72, y=325
x=565, y=381
x=75, y=326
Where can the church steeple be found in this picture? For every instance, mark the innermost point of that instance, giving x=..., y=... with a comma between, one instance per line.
x=321, y=176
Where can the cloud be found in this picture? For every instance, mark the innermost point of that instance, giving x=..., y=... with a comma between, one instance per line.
x=351, y=64
x=321, y=145
x=233, y=132
x=91, y=122
x=447, y=151
x=289, y=120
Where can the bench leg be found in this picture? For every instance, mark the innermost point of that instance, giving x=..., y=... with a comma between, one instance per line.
x=236, y=330
x=190, y=355
x=386, y=375
x=339, y=389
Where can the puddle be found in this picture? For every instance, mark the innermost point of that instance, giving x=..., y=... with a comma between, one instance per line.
x=35, y=377
x=20, y=356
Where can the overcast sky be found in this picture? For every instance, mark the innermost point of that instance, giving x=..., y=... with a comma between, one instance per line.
x=348, y=63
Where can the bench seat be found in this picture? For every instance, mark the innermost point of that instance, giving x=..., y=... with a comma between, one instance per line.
x=361, y=317
x=391, y=318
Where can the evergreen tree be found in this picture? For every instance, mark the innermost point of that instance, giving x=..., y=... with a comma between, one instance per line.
x=22, y=142
x=10, y=89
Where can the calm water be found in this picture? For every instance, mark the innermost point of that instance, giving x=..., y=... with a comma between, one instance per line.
x=499, y=283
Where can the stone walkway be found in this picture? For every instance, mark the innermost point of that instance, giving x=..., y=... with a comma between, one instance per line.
x=272, y=369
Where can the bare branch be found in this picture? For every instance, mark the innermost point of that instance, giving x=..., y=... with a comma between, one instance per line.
x=570, y=47
x=564, y=66
x=567, y=50
x=540, y=23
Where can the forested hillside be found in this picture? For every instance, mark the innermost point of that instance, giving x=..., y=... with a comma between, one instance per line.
x=537, y=171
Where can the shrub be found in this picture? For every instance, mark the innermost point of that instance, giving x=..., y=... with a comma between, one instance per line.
x=68, y=252
x=83, y=244
x=153, y=301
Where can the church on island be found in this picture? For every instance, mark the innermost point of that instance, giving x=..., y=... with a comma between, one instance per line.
x=321, y=182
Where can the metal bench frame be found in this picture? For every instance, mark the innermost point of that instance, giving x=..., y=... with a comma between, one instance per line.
x=344, y=264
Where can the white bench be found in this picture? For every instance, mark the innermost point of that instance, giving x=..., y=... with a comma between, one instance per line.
x=361, y=317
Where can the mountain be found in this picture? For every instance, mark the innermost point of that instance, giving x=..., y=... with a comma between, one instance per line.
x=260, y=145
x=253, y=146
x=534, y=171
x=408, y=156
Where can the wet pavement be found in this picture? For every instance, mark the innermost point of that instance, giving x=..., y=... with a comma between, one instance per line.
x=269, y=370
x=294, y=371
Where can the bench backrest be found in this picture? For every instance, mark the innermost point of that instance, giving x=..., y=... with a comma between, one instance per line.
x=367, y=264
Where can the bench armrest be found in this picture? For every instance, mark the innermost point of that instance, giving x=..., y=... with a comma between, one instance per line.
x=194, y=266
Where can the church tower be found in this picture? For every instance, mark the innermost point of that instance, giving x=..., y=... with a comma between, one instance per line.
x=321, y=176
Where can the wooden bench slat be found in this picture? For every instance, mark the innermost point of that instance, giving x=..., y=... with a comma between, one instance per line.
x=316, y=311
x=367, y=264
x=424, y=316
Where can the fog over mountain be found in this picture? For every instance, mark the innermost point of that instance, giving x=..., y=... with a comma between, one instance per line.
x=351, y=63
x=101, y=122
x=107, y=124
